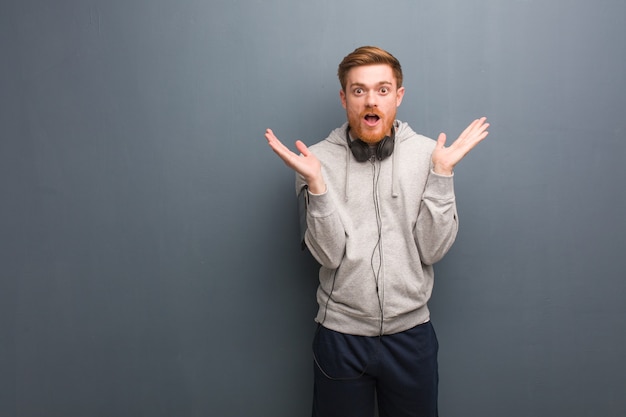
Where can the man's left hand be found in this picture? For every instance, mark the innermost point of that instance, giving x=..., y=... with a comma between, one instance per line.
x=445, y=158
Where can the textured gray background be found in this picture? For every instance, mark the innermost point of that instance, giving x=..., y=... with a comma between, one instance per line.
x=149, y=253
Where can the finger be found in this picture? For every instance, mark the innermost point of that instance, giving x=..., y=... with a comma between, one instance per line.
x=441, y=140
x=480, y=131
x=304, y=150
x=481, y=123
x=475, y=132
x=278, y=147
x=471, y=127
x=270, y=136
x=475, y=136
x=274, y=143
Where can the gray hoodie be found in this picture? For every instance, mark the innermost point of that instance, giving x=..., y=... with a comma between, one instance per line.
x=377, y=231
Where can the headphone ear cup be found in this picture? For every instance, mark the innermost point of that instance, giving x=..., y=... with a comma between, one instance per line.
x=360, y=150
x=385, y=148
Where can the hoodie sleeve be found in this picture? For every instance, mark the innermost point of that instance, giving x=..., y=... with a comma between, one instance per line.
x=437, y=221
x=325, y=235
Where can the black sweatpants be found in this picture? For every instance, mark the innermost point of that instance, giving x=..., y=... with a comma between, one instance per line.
x=398, y=371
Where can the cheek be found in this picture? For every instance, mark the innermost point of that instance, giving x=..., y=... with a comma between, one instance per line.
x=393, y=106
x=352, y=109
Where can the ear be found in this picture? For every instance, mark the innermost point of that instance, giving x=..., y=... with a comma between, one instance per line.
x=342, y=95
x=399, y=95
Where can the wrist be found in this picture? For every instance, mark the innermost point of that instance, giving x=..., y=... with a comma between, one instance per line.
x=317, y=186
x=443, y=170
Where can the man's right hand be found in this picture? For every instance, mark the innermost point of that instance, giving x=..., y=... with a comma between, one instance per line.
x=305, y=164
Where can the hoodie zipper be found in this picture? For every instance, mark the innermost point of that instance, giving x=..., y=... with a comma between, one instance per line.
x=379, y=246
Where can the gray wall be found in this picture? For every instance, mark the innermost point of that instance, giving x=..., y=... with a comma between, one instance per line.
x=149, y=253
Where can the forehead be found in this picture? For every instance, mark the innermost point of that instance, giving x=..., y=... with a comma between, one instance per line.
x=371, y=75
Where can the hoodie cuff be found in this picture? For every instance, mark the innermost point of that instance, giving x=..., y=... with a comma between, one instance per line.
x=320, y=204
x=439, y=186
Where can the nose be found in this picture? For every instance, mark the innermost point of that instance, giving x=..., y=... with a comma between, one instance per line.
x=370, y=99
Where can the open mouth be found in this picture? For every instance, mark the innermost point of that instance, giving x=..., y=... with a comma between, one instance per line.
x=371, y=119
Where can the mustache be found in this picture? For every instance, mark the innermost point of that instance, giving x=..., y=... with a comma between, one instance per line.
x=370, y=111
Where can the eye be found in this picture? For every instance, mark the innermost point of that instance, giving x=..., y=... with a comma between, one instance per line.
x=358, y=91
x=384, y=90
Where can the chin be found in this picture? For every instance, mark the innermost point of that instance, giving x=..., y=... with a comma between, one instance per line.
x=371, y=138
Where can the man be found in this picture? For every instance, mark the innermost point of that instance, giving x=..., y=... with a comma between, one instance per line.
x=380, y=212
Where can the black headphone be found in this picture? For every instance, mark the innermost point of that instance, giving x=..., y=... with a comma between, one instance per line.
x=363, y=152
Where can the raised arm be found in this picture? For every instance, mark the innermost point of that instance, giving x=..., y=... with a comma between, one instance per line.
x=437, y=222
x=325, y=236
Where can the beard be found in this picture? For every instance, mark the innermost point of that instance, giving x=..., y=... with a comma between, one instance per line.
x=371, y=135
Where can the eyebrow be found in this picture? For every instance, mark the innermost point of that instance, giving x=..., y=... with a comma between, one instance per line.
x=363, y=85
